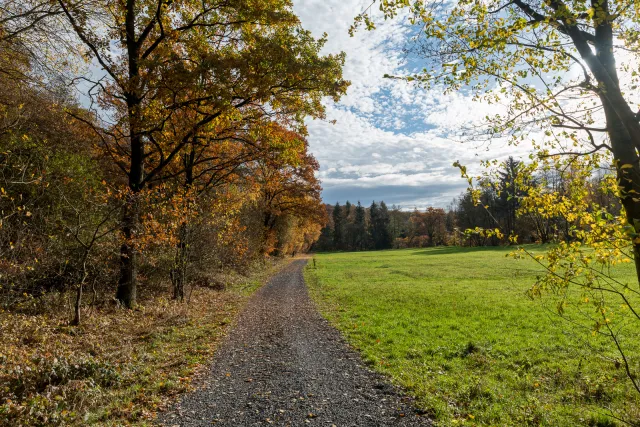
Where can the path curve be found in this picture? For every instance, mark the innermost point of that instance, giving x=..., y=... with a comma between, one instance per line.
x=283, y=364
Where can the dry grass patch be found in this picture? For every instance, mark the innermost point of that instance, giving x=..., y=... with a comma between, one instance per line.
x=120, y=365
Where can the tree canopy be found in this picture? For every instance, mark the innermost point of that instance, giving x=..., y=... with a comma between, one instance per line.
x=179, y=77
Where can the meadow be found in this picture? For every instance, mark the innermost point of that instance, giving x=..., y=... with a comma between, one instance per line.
x=455, y=327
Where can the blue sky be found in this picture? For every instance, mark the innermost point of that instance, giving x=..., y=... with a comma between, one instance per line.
x=392, y=141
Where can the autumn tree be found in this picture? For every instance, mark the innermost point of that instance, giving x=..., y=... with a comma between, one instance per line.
x=288, y=187
x=55, y=209
x=31, y=31
x=297, y=234
x=430, y=224
x=435, y=224
x=210, y=59
x=212, y=160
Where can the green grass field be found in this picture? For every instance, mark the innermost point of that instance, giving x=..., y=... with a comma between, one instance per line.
x=454, y=327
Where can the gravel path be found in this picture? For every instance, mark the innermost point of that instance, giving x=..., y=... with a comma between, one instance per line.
x=283, y=364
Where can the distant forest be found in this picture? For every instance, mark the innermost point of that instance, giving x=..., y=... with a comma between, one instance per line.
x=353, y=227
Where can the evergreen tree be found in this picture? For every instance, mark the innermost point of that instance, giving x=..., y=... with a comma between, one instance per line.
x=509, y=194
x=325, y=241
x=347, y=210
x=384, y=234
x=374, y=215
x=349, y=236
x=360, y=227
x=399, y=222
x=379, y=226
x=338, y=227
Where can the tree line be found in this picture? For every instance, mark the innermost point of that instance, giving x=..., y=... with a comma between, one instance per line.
x=153, y=142
x=354, y=227
x=502, y=202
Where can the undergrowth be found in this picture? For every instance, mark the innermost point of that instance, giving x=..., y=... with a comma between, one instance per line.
x=120, y=366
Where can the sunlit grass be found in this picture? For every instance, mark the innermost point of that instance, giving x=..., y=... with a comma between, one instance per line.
x=455, y=327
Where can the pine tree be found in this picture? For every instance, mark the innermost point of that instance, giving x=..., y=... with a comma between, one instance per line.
x=325, y=241
x=384, y=230
x=379, y=226
x=374, y=219
x=507, y=202
x=347, y=210
x=338, y=227
x=349, y=232
x=360, y=227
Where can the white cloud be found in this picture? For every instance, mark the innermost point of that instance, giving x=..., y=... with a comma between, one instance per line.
x=392, y=139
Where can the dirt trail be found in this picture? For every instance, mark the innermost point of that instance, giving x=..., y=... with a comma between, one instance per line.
x=283, y=364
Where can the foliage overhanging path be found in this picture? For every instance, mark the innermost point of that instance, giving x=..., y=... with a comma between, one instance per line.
x=284, y=364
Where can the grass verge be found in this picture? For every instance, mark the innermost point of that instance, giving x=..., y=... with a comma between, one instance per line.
x=455, y=328
x=120, y=366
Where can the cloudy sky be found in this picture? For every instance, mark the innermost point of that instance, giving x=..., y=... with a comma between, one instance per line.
x=392, y=141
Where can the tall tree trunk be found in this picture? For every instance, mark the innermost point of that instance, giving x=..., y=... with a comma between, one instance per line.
x=268, y=225
x=127, y=286
x=85, y=274
x=628, y=171
x=76, y=308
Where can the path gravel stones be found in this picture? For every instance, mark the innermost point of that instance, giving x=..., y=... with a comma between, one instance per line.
x=283, y=364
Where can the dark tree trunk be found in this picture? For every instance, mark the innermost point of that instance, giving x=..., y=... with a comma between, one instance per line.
x=268, y=225
x=628, y=171
x=127, y=286
x=128, y=283
x=181, y=262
